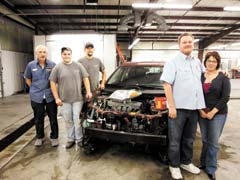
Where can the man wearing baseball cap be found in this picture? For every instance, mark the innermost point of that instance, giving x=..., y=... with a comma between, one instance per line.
x=93, y=66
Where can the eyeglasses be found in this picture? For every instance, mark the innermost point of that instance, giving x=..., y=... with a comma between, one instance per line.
x=210, y=61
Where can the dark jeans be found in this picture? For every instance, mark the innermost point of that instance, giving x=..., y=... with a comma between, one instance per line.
x=181, y=133
x=39, y=110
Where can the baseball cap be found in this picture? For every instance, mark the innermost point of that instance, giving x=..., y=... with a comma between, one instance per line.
x=88, y=45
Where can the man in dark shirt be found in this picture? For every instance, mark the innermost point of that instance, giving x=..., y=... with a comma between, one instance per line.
x=36, y=76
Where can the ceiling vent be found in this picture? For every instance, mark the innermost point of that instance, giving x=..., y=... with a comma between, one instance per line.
x=159, y=20
x=134, y=20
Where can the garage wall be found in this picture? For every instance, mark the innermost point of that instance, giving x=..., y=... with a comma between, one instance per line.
x=157, y=51
x=105, y=47
x=15, y=37
x=16, y=42
x=163, y=51
x=14, y=64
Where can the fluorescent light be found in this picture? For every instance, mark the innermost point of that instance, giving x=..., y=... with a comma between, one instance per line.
x=231, y=8
x=196, y=40
x=235, y=44
x=160, y=6
x=145, y=5
x=134, y=43
x=92, y=2
x=177, y=6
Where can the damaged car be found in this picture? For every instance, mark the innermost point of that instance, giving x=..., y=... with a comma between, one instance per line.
x=131, y=109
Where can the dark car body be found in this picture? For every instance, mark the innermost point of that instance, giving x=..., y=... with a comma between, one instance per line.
x=131, y=108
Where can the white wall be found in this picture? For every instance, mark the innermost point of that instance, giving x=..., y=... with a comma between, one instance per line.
x=157, y=51
x=14, y=64
x=104, y=45
x=109, y=53
x=163, y=51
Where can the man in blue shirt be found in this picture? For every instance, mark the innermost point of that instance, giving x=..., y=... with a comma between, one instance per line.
x=37, y=78
x=183, y=89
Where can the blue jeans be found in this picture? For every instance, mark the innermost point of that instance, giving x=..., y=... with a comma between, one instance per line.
x=211, y=131
x=70, y=113
x=181, y=134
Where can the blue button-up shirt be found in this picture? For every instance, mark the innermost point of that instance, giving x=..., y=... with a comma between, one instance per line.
x=40, y=86
x=184, y=74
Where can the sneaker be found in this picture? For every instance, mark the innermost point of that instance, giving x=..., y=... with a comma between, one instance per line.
x=54, y=142
x=69, y=144
x=190, y=168
x=38, y=142
x=175, y=172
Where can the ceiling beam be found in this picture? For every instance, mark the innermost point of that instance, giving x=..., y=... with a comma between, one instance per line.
x=93, y=23
x=99, y=28
x=7, y=11
x=209, y=40
x=64, y=7
x=108, y=7
x=203, y=43
x=105, y=16
x=13, y=14
x=54, y=19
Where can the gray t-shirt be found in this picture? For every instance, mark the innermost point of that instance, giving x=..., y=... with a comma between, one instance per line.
x=93, y=67
x=69, y=79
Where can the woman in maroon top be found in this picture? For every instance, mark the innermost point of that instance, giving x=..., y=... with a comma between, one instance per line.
x=216, y=87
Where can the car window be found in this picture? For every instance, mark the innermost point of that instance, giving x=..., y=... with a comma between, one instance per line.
x=136, y=75
x=117, y=76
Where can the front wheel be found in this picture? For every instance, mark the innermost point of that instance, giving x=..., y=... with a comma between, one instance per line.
x=88, y=145
x=162, y=155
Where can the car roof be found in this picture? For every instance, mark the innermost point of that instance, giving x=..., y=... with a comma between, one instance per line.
x=144, y=63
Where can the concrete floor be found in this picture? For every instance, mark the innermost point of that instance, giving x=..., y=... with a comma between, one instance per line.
x=11, y=118
x=23, y=161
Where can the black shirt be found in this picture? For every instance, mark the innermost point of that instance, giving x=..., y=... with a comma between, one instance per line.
x=218, y=93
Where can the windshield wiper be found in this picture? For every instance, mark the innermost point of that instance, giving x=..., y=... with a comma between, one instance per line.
x=136, y=86
x=114, y=85
x=151, y=86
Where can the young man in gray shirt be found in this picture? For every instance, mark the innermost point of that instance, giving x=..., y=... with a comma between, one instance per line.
x=66, y=83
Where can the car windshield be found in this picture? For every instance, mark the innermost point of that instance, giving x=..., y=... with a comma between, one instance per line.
x=137, y=77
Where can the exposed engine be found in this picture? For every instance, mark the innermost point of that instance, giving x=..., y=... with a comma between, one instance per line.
x=130, y=115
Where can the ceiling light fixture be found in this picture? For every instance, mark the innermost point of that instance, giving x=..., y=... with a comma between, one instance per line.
x=196, y=40
x=92, y=2
x=160, y=6
x=177, y=6
x=231, y=8
x=235, y=44
x=134, y=43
